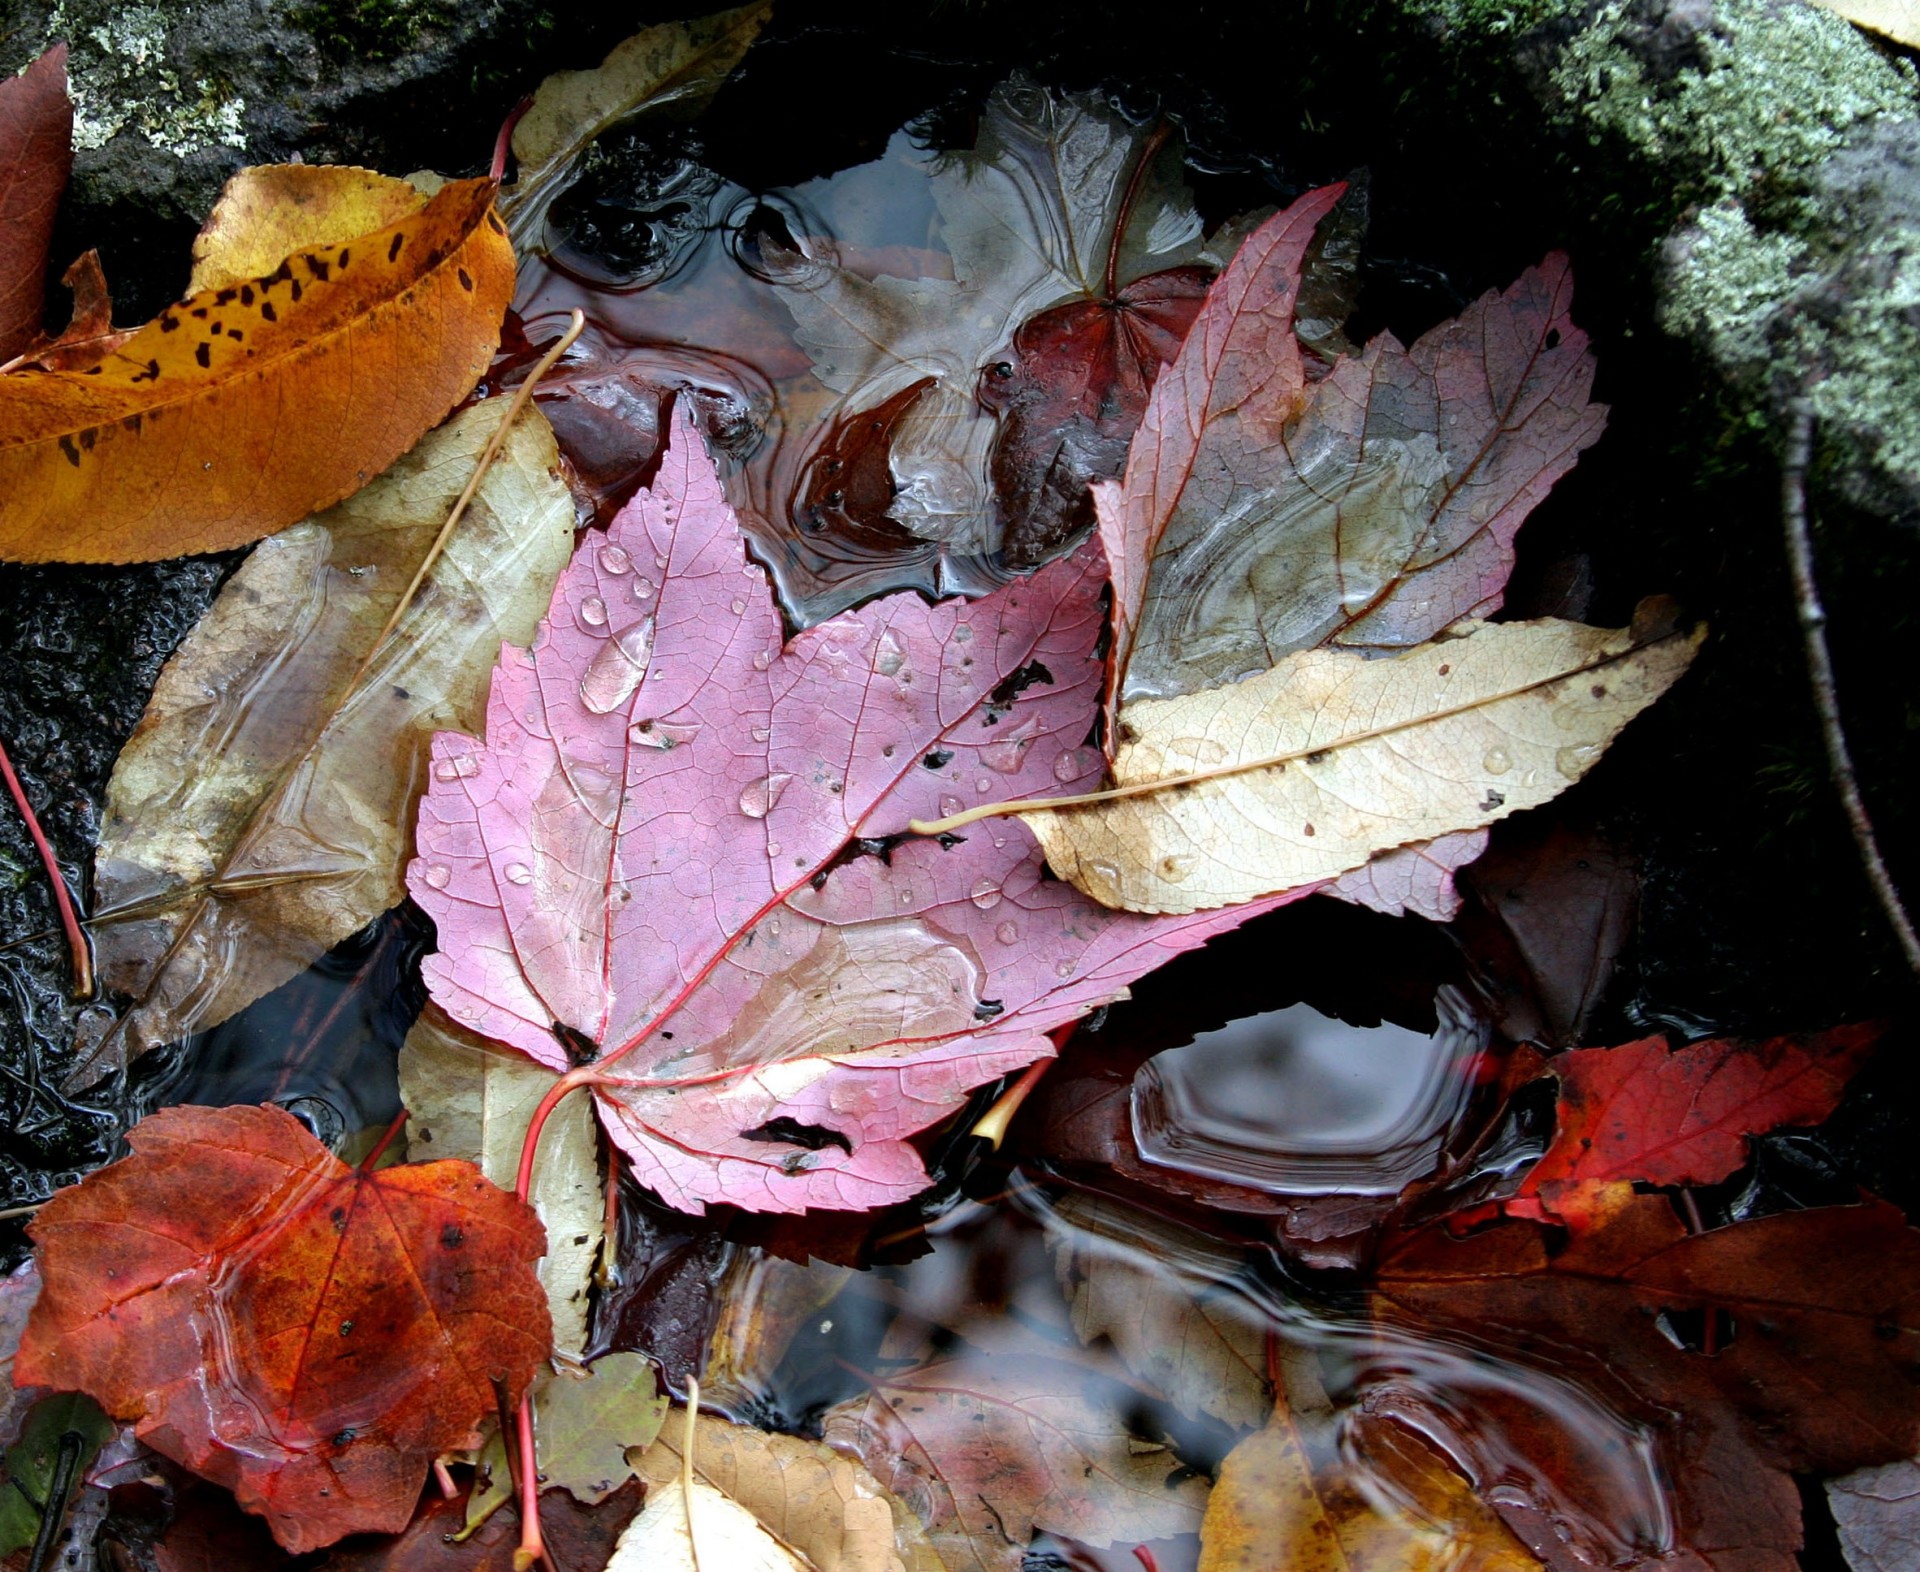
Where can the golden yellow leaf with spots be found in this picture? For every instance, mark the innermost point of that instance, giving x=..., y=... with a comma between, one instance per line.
x=269, y=211
x=247, y=407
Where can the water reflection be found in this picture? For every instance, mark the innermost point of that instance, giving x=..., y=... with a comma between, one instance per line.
x=1295, y=1101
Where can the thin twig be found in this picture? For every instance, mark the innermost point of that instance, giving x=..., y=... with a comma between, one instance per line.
x=69, y=920
x=1826, y=701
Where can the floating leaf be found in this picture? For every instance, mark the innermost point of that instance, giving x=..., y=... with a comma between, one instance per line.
x=257, y=816
x=687, y=1527
x=472, y=1099
x=306, y=1334
x=1330, y=757
x=36, y=155
x=1640, y=1114
x=681, y=844
x=1877, y=1511
x=267, y=212
x=242, y=409
x=673, y=68
x=808, y=1496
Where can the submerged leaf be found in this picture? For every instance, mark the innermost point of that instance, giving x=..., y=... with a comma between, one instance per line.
x=1331, y=757
x=472, y=1099
x=1030, y=218
x=267, y=212
x=1371, y=510
x=244, y=408
x=1286, y=1498
x=1639, y=1114
x=257, y=815
x=1877, y=1511
x=305, y=1334
x=673, y=68
x=805, y=1494
x=992, y=1449
x=683, y=845
x=36, y=154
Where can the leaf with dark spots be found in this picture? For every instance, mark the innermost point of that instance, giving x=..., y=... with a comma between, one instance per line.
x=255, y=431
x=1641, y=1114
x=185, y=1286
x=36, y=155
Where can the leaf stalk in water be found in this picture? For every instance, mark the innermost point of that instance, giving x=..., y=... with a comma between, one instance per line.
x=76, y=940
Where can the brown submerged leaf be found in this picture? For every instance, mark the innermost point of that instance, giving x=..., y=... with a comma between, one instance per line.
x=36, y=153
x=258, y=814
x=244, y=408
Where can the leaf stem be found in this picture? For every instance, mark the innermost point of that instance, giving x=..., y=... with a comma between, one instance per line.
x=1247, y=766
x=60, y=1489
x=1826, y=698
x=686, y=1468
x=1124, y=217
x=991, y=1127
x=503, y=143
x=372, y=1160
x=487, y=455
x=62, y=900
x=531, y=1548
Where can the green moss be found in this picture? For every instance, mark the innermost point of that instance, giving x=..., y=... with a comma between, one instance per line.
x=1488, y=16
x=1780, y=89
x=122, y=79
x=1729, y=286
x=372, y=29
x=1871, y=366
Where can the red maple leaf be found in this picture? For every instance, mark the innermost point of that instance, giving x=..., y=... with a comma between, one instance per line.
x=36, y=154
x=1640, y=1113
x=306, y=1334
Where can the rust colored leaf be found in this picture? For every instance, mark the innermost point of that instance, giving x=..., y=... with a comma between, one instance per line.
x=36, y=155
x=90, y=335
x=1640, y=1113
x=305, y=1334
x=1814, y=1370
x=244, y=408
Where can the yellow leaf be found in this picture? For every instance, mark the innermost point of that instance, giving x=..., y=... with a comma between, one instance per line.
x=1285, y=1499
x=1307, y=770
x=244, y=408
x=262, y=810
x=267, y=212
x=1895, y=19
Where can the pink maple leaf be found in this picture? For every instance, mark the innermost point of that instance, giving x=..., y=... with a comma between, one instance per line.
x=684, y=845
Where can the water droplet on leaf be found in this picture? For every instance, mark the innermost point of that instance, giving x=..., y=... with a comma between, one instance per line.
x=437, y=875
x=518, y=873
x=618, y=668
x=593, y=612
x=615, y=560
x=758, y=797
x=985, y=894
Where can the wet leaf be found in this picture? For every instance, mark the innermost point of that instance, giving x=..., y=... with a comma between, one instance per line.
x=1412, y=880
x=586, y=1420
x=805, y=1494
x=33, y=1461
x=1640, y=1114
x=242, y=409
x=577, y=1538
x=472, y=1099
x=267, y=212
x=1371, y=510
x=36, y=155
x=305, y=1334
x=1286, y=1498
x=672, y=69
x=990, y=1449
x=1330, y=757
x=1196, y=1340
x=1877, y=1511
x=683, y=840
x=1814, y=1347
x=257, y=816
x=1029, y=217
